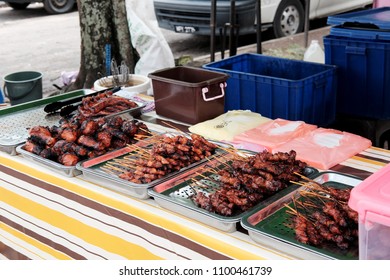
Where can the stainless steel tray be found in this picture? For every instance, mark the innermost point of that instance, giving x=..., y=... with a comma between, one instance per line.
x=69, y=171
x=15, y=121
x=175, y=194
x=92, y=171
x=269, y=225
x=134, y=112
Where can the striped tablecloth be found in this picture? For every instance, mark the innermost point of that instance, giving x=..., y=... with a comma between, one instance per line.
x=46, y=215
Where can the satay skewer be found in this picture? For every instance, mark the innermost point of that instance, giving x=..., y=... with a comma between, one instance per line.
x=211, y=169
x=148, y=131
x=174, y=127
x=107, y=165
x=108, y=170
x=207, y=178
x=200, y=185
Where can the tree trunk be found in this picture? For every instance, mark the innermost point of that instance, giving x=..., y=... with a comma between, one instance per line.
x=102, y=23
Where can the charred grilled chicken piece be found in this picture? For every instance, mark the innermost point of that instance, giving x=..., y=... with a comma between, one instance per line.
x=62, y=147
x=105, y=138
x=90, y=142
x=32, y=147
x=68, y=159
x=42, y=135
x=89, y=127
x=129, y=127
x=69, y=134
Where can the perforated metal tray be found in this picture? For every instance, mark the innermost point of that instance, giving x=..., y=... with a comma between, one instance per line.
x=176, y=193
x=15, y=121
x=271, y=225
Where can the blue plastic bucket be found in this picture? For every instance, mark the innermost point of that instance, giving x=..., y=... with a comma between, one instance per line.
x=1, y=96
x=23, y=86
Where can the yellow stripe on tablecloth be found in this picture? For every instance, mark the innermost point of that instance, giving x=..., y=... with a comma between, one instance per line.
x=206, y=240
x=37, y=244
x=384, y=151
x=76, y=228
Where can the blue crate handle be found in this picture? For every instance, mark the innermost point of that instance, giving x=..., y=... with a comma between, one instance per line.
x=206, y=90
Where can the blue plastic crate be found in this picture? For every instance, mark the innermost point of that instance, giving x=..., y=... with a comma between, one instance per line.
x=363, y=75
x=280, y=87
x=359, y=45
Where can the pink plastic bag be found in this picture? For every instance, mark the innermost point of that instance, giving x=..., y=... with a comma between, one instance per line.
x=381, y=3
x=274, y=133
x=324, y=148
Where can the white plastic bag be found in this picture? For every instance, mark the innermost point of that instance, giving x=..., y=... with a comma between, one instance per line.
x=147, y=38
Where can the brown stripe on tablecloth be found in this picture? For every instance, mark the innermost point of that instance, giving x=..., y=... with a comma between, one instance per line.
x=41, y=238
x=373, y=158
x=351, y=171
x=10, y=253
x=198, y=248
x=175, y=238
x=117, y=214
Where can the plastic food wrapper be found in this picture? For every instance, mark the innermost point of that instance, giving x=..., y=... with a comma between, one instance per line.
x=229, y=124
x=246, y=146
x=324, y=148
x=275, y=133
x=69, y=77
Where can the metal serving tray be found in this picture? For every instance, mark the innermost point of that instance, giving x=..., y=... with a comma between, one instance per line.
x=15, y=121
x=92, y=171
x=133, y=112
x=176, y=193
x=269, y=225
x=69, y=171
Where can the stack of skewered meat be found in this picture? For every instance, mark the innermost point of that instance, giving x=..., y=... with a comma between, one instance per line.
x=79, y=138
x=322, y=217
x=248, y=180
x=104, y=104
x=166, y=155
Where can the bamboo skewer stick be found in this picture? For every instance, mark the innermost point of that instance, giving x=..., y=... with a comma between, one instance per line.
x=107, y=165
x=200, y=185
x=147, y=131
x=174, y=127
x=110, y=171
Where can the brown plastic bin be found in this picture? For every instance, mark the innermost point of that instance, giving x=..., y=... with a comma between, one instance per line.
x=188, y=94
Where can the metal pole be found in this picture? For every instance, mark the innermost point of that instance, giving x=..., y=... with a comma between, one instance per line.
x=232, y=36
x=258, y=26
x=212, y=29
x=307, y=21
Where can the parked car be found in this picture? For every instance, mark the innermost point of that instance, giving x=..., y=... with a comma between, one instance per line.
x=51, y=6
x=285, y=17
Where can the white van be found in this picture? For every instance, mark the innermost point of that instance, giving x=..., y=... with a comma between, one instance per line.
x=286, y=17
x=51, y=6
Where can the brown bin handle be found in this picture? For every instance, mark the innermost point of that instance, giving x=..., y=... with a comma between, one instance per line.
x=206, y=90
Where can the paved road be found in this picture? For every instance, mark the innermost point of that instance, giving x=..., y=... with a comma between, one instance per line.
x=33, y=40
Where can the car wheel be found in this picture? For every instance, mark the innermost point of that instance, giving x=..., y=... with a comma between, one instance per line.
x=58, y=6
x=289, y=18
x=18, y=6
